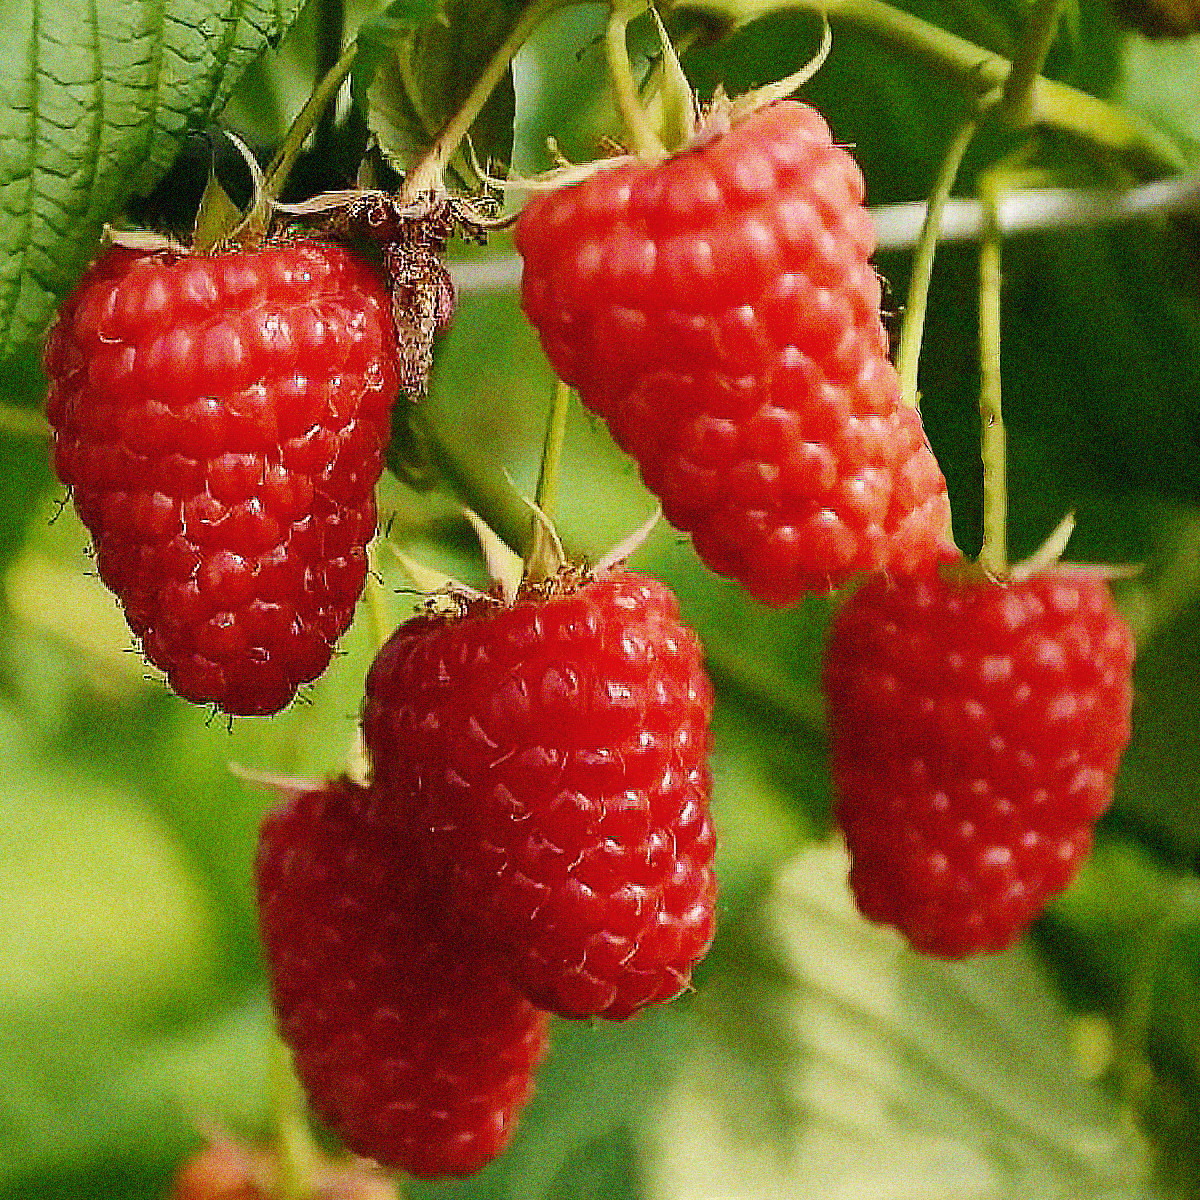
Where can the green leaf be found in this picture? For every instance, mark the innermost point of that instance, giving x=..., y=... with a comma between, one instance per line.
x=902, y=1076
x=390, y=27
x=417, y=86
x=94, y=101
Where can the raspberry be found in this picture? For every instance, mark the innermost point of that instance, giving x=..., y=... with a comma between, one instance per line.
x=720, y=312
x=976, y=729
x=414, y=1050
x=550, y=757
x=221, y=422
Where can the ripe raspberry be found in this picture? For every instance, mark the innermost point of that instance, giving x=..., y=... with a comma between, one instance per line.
x=414, y=1050
x=976, y=729
x=221, y=421
x=549, y=757
x=720, y=312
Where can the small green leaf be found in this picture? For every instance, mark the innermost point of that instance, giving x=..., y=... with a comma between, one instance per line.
x=426, y=76
x=94, y=102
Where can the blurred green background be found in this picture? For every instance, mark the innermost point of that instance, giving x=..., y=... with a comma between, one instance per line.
x=817, y=1057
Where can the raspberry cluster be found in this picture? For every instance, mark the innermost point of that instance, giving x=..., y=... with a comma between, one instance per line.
x=535, y=837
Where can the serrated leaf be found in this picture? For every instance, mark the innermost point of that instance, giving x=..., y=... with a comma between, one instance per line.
x=94, y=101
x=426, y=77
x=905, y=1076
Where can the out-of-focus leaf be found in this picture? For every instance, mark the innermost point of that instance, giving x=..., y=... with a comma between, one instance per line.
x=598, y=1081
x=93, y=103
x=907, y=1077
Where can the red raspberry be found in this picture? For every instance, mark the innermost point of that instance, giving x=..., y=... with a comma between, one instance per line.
x=221, y=421
x=550, y=757
x=415, y=1050
x=720, y=311
x=976, y=729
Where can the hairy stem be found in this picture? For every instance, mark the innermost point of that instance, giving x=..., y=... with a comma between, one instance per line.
x=307, y=119
x=912, y=328
x=426, y=175
x=993, y=556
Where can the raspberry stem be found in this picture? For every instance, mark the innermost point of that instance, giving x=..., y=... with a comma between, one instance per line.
x=993, y=555
x=978, y=72
x=426, y=175
x=646, y=143
x=307, y=119
x=913, y=326
x=1017, y=106
x=295, y=1145
x=543, y=559
x=546, y=495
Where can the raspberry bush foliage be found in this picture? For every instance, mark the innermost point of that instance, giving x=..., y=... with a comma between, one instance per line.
x=812, y=1051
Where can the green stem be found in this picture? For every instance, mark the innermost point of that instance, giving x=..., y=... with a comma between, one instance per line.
x=480, y=487
x=546, y=496
x=331, y=32
x=307, y=118
x=297, y=1150
x=993, y=556
x=912, y=329
x=1017, y=106
x=544, y=558
x=646, y=143
x=977, y=71
x=426, y=175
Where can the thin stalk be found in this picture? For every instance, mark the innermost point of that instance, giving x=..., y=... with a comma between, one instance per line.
x=646, y=143
x=1017, y=105
x=912, y=328
x=426, y=175
x=331, y=31
x=977, y=71
x=993, y=556
x=546, y=496
x=307, y=119
x=379, y=617
x=297, y=1150
x=544, y=558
